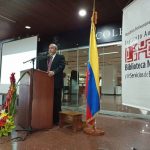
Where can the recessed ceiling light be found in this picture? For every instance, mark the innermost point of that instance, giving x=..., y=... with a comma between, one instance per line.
x=82, y=12
x=27, y=27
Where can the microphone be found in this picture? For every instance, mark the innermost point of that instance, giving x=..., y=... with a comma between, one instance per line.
x=43, y=53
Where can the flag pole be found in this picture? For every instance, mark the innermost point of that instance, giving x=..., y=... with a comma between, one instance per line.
x=93, y=5
x=94, y=17
x=92, y=80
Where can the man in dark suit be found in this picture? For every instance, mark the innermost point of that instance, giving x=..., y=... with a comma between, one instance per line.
x=56, y=65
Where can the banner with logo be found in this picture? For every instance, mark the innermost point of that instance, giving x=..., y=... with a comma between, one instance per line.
x=136, y=55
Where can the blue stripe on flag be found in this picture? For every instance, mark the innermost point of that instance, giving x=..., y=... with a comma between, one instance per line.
x=92, y=95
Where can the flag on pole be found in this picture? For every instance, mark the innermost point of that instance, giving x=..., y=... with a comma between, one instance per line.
x=92, y=76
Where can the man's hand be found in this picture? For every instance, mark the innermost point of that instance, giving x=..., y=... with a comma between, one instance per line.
x=51, y=73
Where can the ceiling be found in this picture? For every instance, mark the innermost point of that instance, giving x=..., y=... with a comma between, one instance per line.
x=49, y=17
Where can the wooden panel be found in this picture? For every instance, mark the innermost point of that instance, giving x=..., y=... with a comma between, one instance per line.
x=23, y=116
x=50, y=17
x=42, y=104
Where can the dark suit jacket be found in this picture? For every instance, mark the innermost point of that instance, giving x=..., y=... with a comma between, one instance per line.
x=58, y=66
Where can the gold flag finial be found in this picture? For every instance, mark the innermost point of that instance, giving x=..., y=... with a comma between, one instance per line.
x=94, y=15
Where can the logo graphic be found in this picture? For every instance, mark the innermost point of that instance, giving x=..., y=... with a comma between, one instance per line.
x=133, y=53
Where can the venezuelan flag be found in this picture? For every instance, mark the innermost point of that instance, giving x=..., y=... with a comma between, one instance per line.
x=92, y=77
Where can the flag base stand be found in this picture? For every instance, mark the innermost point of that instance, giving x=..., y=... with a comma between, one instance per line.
x=94, y=131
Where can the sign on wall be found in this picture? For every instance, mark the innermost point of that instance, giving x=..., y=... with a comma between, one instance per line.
x=109, y=33
x=136, y=55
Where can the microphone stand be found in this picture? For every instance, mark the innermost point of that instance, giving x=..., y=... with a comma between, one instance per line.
x=36, y=58
x=31, y=60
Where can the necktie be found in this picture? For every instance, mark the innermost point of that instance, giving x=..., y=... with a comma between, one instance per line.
x=49, y=63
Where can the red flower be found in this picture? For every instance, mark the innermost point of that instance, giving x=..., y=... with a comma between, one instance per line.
x=12, y=78
x=11, y=91
x=3, y=121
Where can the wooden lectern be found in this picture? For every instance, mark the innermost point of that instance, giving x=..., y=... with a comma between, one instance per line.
x=35, y=104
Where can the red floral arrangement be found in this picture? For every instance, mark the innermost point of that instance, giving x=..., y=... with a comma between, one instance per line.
x=9, y=109
x=11, y=96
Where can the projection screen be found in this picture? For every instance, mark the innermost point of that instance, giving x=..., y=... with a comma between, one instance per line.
x=14, y=53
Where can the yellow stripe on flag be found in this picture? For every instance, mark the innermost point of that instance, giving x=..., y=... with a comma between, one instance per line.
x=94, y=55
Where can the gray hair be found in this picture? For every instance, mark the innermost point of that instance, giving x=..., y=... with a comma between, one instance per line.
x=54, y=45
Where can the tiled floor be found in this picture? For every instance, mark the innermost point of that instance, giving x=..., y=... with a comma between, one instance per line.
x=122, y=132
x=112, y=106
x=114, y=103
